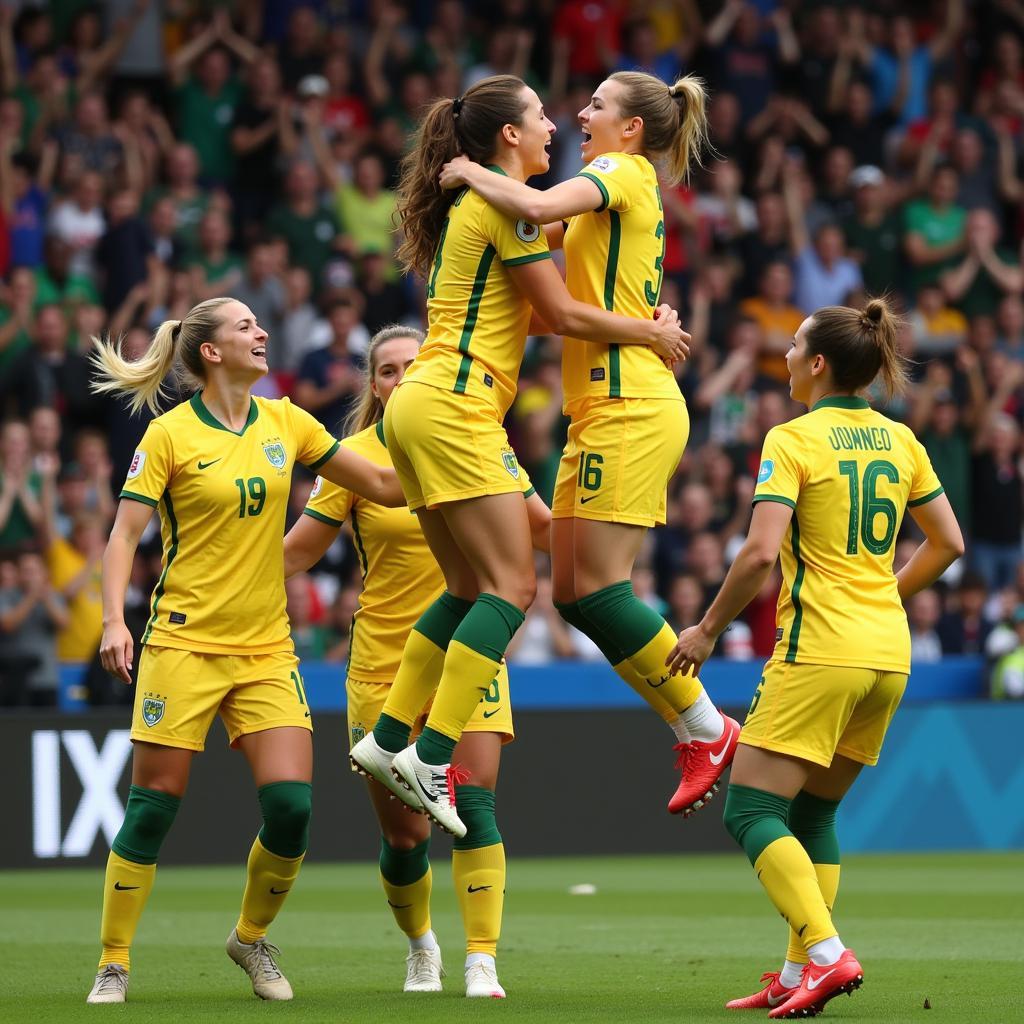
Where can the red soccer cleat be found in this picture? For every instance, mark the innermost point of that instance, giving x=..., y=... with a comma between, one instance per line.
x=820, y=984
x=772, y=995
x=702, y=765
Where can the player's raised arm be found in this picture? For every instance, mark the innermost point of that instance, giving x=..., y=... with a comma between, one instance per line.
x=378, y=484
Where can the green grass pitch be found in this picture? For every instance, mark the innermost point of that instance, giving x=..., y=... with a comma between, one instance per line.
x=662, y=939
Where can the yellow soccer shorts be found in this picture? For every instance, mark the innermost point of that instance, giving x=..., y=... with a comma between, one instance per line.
x=492, y=714
x=816, y=711
x=447, y=447
x=618, y=460
x=179, y=692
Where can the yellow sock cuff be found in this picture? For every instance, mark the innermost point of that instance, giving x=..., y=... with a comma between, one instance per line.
x=676, y=691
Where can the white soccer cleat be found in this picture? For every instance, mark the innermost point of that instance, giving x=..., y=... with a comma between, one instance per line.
x=110, y=986
x=433, y=786
x=482, y=981
x=424, y=970
x=372, y=761
x=257, y=960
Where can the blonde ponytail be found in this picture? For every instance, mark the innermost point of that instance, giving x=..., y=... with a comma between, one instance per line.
x=173, y=350
x=674, y=116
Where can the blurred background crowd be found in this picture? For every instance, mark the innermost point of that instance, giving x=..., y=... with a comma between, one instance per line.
x=153, y=154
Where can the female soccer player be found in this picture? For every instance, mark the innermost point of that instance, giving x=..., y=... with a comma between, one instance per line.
x=218, y=468
x=629, y=424
x=443, y=427
x=834, y=485
x=401, y=581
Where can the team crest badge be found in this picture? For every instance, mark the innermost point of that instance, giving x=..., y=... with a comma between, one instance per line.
x=152, y=710
x=358, y=732
x=511, y=464
x=527, y=232
x=276, y=455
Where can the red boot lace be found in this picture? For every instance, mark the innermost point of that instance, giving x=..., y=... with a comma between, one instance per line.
x=684, y=750
x=456, y=776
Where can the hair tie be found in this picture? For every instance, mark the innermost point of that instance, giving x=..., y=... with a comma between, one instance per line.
x=176, y=330
x=457, y=106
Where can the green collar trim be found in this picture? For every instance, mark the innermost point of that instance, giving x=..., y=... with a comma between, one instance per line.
x=207, y=417
x=496, y=169
x=842, y=402
x=380, y=433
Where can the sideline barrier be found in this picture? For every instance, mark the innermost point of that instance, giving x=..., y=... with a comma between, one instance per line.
x=573, y=685
x=950, y=778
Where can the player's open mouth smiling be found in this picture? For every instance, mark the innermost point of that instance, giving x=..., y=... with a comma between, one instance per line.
x=260, y=352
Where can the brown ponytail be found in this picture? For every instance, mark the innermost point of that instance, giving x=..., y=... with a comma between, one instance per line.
x=860, y=345
x=468, y=125
x=675, y=118
x=174, y=349
x=368, y=408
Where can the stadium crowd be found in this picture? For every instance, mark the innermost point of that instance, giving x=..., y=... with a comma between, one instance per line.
x=155, y=154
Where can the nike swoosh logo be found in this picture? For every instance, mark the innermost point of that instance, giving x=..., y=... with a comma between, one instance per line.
x=419, y=786
x=478, y=888
x=583, y=501
x=487, y=714
x=661, y=682
x=125, y=888
x=279, y=892
x=207, y=465
x=717, y=759
x=774, y=1001
x=399, y=906
x=813, y=983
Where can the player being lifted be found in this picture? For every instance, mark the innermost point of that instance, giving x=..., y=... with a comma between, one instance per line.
x=218, y=469
x=401, y=581
x=831, y=493
x=629, y=423
x=443, y=425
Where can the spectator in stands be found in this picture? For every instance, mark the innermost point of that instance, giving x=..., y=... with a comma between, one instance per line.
x=215, y=269
x=923, y=612
x=988, y=271
x=311, y=640
x=124, y=251
x=998, y=498
x=773, y=310
x=79, y=222
x=964, y=627
x=544, y=635
x=934, y=229
x=1010, y=322
x=366, y=211
x=685, y=601
x=329, y=377
x=873, y=231
x=89, y=137
x=182, y=188
x=1008, y=675
x=75, y=572
x=16, y=314
x=21, y=487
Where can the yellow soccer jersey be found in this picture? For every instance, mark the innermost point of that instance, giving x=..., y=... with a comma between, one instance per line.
x=849, y=473
x=400, y=576
x=613, y=259
x=222, y=498
x=477, y=319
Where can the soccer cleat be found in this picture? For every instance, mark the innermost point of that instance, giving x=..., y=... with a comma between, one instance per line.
x=482, y=981
x=257, y=960
x=433, y=785
x=701, y=766
x=819, y=984
x=371, y=760
x=110, y=986
x=772, y=995
x=424, y=970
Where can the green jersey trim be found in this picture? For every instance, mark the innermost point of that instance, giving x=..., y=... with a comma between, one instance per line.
x=140, y=497
x=600, y=184
x=841, y=402
x=496, y=169
x=207, y=417
x=359, y=544
x=172, y=552
x=327, y=455
x=472, y=314
x=798, y=582
x=380, y=433
x=320, y=517
x=773, y=497
x=530, y=493
x=926, y=498
x=614, y=240
x=533, y=257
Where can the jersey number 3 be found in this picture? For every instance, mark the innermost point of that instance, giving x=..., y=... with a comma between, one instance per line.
x=867, y=506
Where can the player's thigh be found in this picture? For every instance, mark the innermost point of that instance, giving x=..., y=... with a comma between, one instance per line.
x=603, y=553
x=864, y=734
x=164, y=769
x=401, y=826
x=480, y=754
x=177, y=696
x=459, y=575
x=768, y=770
x=801, y=710
x=833, y=782
x=563, y=580
x=266, y=716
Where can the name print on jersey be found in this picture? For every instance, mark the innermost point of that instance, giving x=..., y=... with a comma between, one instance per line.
x=860, y=439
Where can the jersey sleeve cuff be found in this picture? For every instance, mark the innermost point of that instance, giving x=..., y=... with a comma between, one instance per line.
x=928, y=497
x=320, y=517
x=600, y=184
x=323, y=458
x=532, y=257
x=146, y=500
x=530, y=493
x=780, y=498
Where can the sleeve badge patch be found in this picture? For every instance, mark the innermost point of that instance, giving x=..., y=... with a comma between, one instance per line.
x=527, y=232
x=137, y=463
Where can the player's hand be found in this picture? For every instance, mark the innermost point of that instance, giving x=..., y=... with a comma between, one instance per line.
x=453, y=173
x=669, y=339
x=117, y=650
x=692, y=649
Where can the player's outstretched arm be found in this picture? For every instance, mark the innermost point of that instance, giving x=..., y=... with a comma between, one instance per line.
x=306, y=543
x=741, y=585
x=943, y=544
x=378, y=484
x=517, y=199
x=117, y=646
